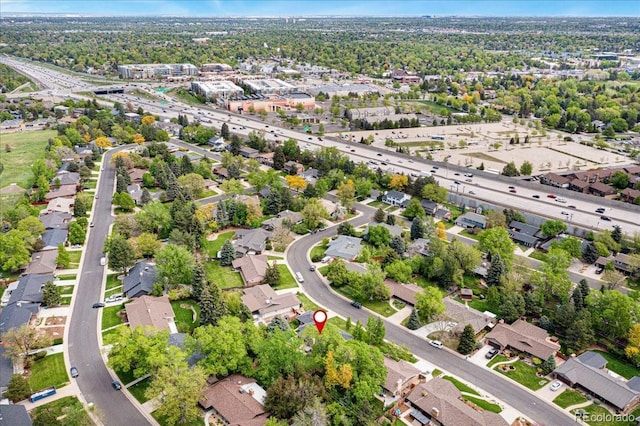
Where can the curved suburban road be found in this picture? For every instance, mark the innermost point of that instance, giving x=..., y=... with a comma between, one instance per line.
x=94, y=381
x=512, y=394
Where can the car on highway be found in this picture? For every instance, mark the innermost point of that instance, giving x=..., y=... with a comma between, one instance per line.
x=571, y=207
x=456, y=174
x=600, y=210
x=379, y=154
x=493, y=352
x=98, y=305
x=605, y=218
x=116, y=385
x=356, y=305
x=353, y=150
x=436, y=344
x=555, y=385
x=456, y=182
x=472, y=192
x=468, y=180
x=536, y=196
x=74, y=372
x=512, y=187
x=551, y=196
x=513, y=191
x=561, y=200
x=435, y=167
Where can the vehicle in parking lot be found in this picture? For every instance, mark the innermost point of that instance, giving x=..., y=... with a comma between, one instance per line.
x=74, y=372
x=493, y=352
x=116, y=385
x=436, y=344
x=98, y=305
x=555, y=385
x=356, y=305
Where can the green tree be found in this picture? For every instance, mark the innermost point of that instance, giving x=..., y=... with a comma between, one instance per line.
x=346, y=193
x=591, y=253
x=32, y=225
x=496, y=271
x=17, y=389
x=429, y=304
x=620, y=180
x=50, y=294
x=497, y=240
x=616, y=234
x=414, y=320
x=414, y=209
x=147, y=244
x=418, y=228
x=142, y=350
x=397, y=243
x=289, y=395
x=510, y=170
x=526, y=168
x=378, y=236
x=272, y=275
x=467, y=340
x=63, y=259
x=227, y=253
x=551, y=228
x=313, y=213
x=122, y=256
x=548, y=365
x=19, y=341
x=124, y=201
x=380, y=216
x=77, y=233
x=375, y=331
x=175, y=265
x=79, y=208
x=212, y=305
x=399, y=271
x=434, y=192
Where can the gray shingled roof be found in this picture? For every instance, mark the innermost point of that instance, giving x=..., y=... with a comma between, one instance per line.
x=14, y=415
x=345, y=247
x=140, y=279
x=52, y=237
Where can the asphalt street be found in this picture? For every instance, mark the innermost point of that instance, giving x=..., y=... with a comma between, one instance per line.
x=94, y=380
x=512, y=394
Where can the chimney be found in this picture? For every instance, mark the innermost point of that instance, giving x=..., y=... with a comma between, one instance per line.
x=435, y=412
x=251, y=392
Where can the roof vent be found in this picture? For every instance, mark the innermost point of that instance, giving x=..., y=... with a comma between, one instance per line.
x=241, y=390
x=435, y=412
x=268, y=301
x=146, y=268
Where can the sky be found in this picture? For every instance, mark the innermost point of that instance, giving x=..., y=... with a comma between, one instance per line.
x=325, y=7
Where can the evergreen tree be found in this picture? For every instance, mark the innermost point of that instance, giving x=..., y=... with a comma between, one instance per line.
x=63, y=259
x=616, y=234
x=584, y=289
x=590, y=253
x=414, y=321
x=212, y=305
x=227, y=253
x=198, y=281
x=467, y=340
x=397, y=243
x=121, y=184
x=17, y=389
x=380, y=216
x=417, y=228
x=391, y=219
x=222, y=217
x=548, y=365
x=146, y=197
x=186, y=166
x=279, y=158
x=496, y=270
x=224, y=131
x=272, y=275
x=578, y=299
x=79, y=208
x=278, y=323
x=50, y=294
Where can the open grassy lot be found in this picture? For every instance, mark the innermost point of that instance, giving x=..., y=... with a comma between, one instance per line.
x=461, y=386
x=62, y=406
x=74, y=256
x=48, y=371
x=110, y=316
x=619, y=366
x=568, y=398
x=597, y=415
x=286, y=278
x=184, y=96
x=26, y=147
x=163, y=421
x=66, y=289
x=525, y=375
x=223, y=276
x=138, y=390
x=66, y=277
x=184, y=315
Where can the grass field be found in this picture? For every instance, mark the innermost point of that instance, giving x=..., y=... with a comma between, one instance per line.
x=307, y=304
x=110, y=316
x=74, y=256
x=67, y=277
x=600, y=416
x=318, y=251
x=213, y=247
x=48, y=371
x=380, y=306
x=138, y=390
x=26, y=147
x=163, y=421
x=184, y=316
x=286, y=279
x=525, y=375
x=66, y=289
x=113, y=281
x=619, y=366
x=568, y=398
x=223, y=276
x=62, y=406
x=496, y=359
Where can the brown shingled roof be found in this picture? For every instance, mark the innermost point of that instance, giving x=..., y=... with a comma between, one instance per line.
x=232, y=403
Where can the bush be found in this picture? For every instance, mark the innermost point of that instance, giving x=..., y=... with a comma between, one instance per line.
x=536, y=361
x=596, y=401
x=39, y=355
x=317, y=257
x=521, y=356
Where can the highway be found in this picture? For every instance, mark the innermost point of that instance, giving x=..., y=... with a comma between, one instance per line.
x=94, y=380
x=512, y=394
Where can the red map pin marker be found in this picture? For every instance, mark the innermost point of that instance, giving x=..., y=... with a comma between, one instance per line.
x=320, y=318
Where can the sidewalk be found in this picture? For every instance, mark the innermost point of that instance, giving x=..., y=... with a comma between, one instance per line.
x=69, y=390
x=399, y=316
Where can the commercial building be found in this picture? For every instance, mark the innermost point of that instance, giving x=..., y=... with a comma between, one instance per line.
x=221, y=89
x=140, y=71
x=269, y=86
x=260, y=102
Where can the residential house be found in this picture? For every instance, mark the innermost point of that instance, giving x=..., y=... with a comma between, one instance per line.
x=555, y=180
x=172, y=129
x=250, y=241
x=286, y=216
x=418, y=246
x=266, y=158
x=579, y=186
x=236, y=400
x=51, y=238
x=135, y=175
x=632, y=170
x=14, y=415
x=11, y=124
x=65, y=178
x=437, y=403
x=62, y=205
x=588, y=372
x=192, y=156
x=151, y=311
x=524, y=234
x=132, y=116
x=248, y=152
x=463, y=315
x=265, y=192
x=345, y=247
x=62, y=191
x=135, y=191
x=523, y=337
x=403, y=292
x=252, y=268
x=429, y=206
x=602, y=189
x=83, y=151
x=140, y=279
x=221, y=172
x=629, y=195
x=55, y=220
x=396, y=198
x=218, y=144
x=394, y=230
x=627, y=264
x=401, y=378
x=42, y=262
x=306, y=320
x=264, y=303
x=293, y=167
x=310, y=175
x=466, y=294
x=471, y=220
x=443, y=213
x=29, y=288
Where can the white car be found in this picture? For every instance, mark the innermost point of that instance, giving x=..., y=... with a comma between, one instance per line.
x=436, y=344
x=555, y=385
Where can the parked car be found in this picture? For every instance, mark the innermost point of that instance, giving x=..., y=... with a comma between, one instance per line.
x=74, y=372
x=599, y=271
x=436, y=344
x=312, y=268
x=98, y=305
x=551, y=196
x=493, y=352
x=555, y=385
x=356, y=305
x=116, y=385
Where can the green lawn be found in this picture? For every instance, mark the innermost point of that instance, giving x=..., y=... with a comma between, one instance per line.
x=224, y=276
x=274, y=257
x=382, y=307
x=74, y=256
x=48, y=371
x=568, y=398
x=376, y=204
x=163, y=421
x=468, y=234
x=213, y=247
x=286, y=278
x=619, y=366
x=484, y=404
x=538, y=255
x=138, y=390
x=66, y=289
x=65, y=300
x=525, y=375
x=307, y=304
x=496, y=359
x=184, y=315
x=208, y=193
x=26, y=148
x=338, y=322
x=478, y=304
x=110, y=317
x=113, y=281
x=125, y=377
x=461, y=386
x=90, y=183
x=66, y=277
x=106, y=335
x=317, y=252
x=62, y=406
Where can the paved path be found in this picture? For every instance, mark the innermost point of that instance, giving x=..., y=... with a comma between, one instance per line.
x=69, y=390
x=399, y=316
